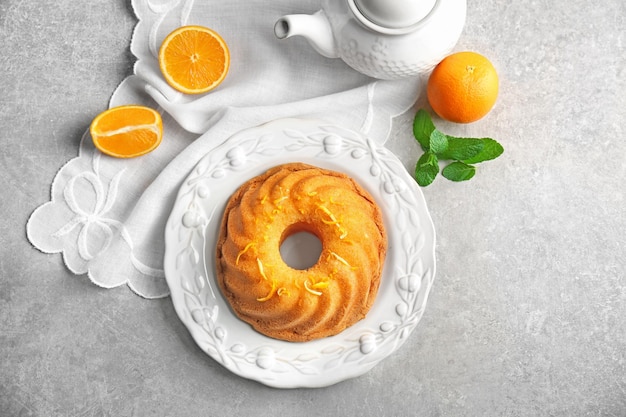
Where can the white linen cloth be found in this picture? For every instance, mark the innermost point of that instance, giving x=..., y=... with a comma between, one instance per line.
x=107, y=216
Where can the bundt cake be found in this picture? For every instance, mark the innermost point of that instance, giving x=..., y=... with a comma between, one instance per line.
x=291, y=304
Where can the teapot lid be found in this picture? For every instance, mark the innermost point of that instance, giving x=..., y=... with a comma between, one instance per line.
x=392, y=16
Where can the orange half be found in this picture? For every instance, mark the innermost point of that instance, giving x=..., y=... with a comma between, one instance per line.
x=127, y=131
x=194, y=59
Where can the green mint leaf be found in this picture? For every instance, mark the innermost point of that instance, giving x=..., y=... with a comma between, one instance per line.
x=438, y=142
x=426, y=169
x=491, y=150
x=423, y=126
x=462, y=149
x=458, y=171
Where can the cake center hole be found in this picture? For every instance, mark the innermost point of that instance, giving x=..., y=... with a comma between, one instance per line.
x=301, y=250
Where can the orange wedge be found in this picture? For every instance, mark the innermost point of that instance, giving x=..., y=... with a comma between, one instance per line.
x=127, y=131
x=194, y=59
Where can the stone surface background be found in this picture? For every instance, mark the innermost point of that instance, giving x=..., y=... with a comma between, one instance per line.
x=526, y=316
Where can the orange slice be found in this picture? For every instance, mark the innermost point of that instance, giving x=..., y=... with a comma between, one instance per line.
x=194, y=59
x=127, y=131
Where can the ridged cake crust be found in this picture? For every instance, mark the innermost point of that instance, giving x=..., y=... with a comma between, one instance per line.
x=301, y=305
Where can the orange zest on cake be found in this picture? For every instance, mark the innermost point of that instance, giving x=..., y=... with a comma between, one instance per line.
x=287, y=303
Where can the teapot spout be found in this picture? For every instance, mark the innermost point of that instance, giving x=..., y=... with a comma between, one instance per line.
x=314, y=28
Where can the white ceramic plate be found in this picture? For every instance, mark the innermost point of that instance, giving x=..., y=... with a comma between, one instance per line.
x=194, y=223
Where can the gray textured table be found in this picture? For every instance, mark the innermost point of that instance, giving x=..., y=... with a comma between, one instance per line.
x=526, y=316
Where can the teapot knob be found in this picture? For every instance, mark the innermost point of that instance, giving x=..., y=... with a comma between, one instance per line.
x=394, y=14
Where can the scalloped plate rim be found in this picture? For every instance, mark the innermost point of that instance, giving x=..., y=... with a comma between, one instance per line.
x=262, y=362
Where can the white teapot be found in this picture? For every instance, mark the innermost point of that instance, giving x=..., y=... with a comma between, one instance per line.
x=385, y=39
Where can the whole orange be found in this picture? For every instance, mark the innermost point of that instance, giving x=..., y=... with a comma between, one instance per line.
x=463, y=87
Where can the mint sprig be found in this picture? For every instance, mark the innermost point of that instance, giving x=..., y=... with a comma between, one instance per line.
x=437, y=146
